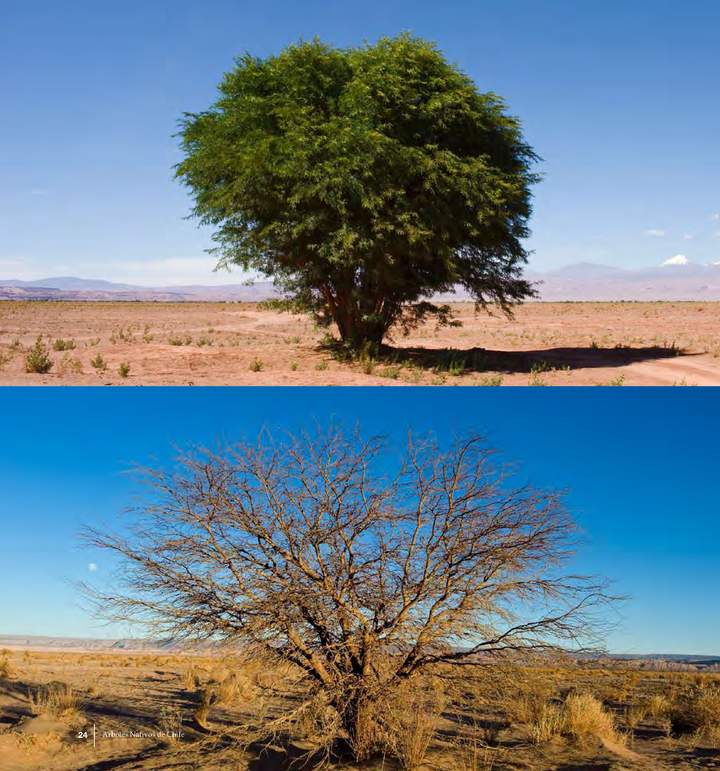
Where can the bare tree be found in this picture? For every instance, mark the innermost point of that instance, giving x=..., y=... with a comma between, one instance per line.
x=360, y=568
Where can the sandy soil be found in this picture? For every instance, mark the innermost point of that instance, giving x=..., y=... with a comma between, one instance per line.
x=136, y=712
x=657, y=343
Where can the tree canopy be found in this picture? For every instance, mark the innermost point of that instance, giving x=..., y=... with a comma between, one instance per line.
x=363, y=181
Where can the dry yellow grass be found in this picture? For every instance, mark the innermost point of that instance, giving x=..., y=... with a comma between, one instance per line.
x=472, y=723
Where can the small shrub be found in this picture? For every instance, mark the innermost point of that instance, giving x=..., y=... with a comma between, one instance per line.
x=585, y=717
x=413, y=723
x=657, y=705
x=456, y=367
x=4, y=667
x=124, y=369
x=699, y=714
x=56, y=699
x=256, y=365
x=492, y=380
x=367, y=365
x=548, y=724
x=391, y=372
x=634, y=715
x=63, y=345
x=70, y=365
x=38, y=359
x=580, y=718
x=191, y=678
x=98, y=363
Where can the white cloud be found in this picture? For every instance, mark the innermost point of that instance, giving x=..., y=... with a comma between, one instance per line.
x=715, y=217
x=92, y=567
x=688, y=236
x=678, y=259
x=655, y=233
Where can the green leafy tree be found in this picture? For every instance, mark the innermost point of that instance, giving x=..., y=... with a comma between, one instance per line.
x=363, y=181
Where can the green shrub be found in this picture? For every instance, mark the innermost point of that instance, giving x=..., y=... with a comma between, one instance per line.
x=99, y=363
x=38, y=359
x=63, y=345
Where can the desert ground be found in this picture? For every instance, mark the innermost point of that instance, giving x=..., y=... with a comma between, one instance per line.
x=104, y=710
x=580, y=343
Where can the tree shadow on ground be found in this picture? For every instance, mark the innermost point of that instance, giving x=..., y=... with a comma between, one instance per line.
x=279, y=753
x=460, y=361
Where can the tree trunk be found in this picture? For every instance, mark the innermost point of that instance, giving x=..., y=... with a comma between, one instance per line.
x=358, y=721
x=358, y=331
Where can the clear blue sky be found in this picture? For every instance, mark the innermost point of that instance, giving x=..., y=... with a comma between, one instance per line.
x=620, y=98
x=640, y=465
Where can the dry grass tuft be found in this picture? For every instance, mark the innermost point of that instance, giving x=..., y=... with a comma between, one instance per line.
x=585, y=718
x=582, y=717
x=56, y=699
x=549, y=724
x=658, y=706
x=411, y=724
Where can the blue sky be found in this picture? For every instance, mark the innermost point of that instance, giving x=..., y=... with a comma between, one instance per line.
x=639, y=465
x=620, y=99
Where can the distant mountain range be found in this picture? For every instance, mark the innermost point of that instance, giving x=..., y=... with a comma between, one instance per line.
x=671, y=281
x=72, y=288
x=678, y=279
x=648, y=660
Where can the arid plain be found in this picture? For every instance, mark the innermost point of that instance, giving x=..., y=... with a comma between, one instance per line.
x=173, y=710
x=208, y=343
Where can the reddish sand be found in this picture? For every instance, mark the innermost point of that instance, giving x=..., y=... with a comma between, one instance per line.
x=613, y=343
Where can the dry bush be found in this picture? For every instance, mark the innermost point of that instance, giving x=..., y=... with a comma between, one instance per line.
x=706, y=708
x=472, y=754
x=698, y=714
x=56, y=699
x=5, y=669
x=70, y=365
x=657, y=705
x=526, y=703
x=580, y=718
x=191, y=678
x=318, y=723
x=585, y=718
x=634, y=715
x=63, y=345
x=410, y=723
x=549, y=724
